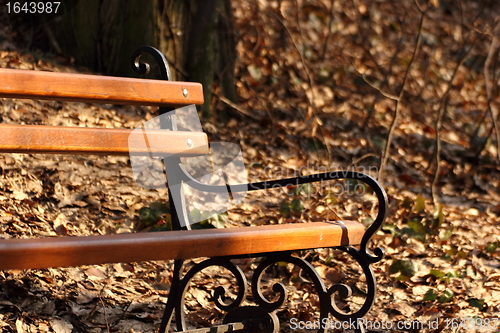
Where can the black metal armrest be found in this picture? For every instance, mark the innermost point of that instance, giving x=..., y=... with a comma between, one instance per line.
x=334, y=175
x=337, y=175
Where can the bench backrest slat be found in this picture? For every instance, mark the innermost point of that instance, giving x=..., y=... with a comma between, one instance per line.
x=17, y=83
x=100, y=141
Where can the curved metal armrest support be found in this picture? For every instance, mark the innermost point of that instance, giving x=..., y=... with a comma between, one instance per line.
x=334, y=175
x=368, y=180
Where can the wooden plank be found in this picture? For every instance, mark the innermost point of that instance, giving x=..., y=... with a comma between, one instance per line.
x=87, y=250
x=16, y=83
x=101, y=141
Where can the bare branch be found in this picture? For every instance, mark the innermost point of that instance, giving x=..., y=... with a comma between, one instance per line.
x=237, y=107
x=308, y=73
x=397, y=112
x=491, y=59
x=439, y=124
x=492, y=53
x=422, y=10
x=329, y=33
x=383, y=93
x=365, y=39
x=384, y=83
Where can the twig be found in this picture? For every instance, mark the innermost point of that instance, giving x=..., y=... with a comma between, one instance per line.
x=480, y=14
x=237, y=107
x=439, y=124
x=329, y=33
x=493, y=51
x=264, y=105
x=308, y=73
x=302, y=59
x=365, y=38
x=105, y=314
x=383, y=93
x=94, y=308
x=382, y=86
x=422, y=10
x=359, y=159
x=397, y=112
x=437, y=154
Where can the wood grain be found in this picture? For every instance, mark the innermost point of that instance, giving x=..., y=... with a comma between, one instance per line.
x=87, y=250
x=100, y=141
x=16, y=83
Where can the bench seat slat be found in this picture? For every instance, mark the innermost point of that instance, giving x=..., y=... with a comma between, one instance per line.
x=100, y=141
x=89, y=250
x=17, y=83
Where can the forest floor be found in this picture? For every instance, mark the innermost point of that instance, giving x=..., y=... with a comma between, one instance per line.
x=304, y=108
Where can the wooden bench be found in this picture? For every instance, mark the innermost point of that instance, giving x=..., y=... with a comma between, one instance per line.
x=276, y=243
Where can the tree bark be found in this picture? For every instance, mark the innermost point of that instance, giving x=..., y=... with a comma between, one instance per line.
x=211, y=50
x=102, y=34
x=197, y=38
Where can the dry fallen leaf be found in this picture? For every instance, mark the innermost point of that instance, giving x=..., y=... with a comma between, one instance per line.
x=61, y=326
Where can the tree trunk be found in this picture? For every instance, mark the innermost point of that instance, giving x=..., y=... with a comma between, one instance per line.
x=211, y=50
x=197, y=37
x=102, y=34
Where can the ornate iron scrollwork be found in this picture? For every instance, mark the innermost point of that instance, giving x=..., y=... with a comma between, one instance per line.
x=327, y=304
x=144, y=68
x=234, y=308
x=181, y=285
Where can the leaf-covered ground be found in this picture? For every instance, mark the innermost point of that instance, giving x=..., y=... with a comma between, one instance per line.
x=320, y=83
